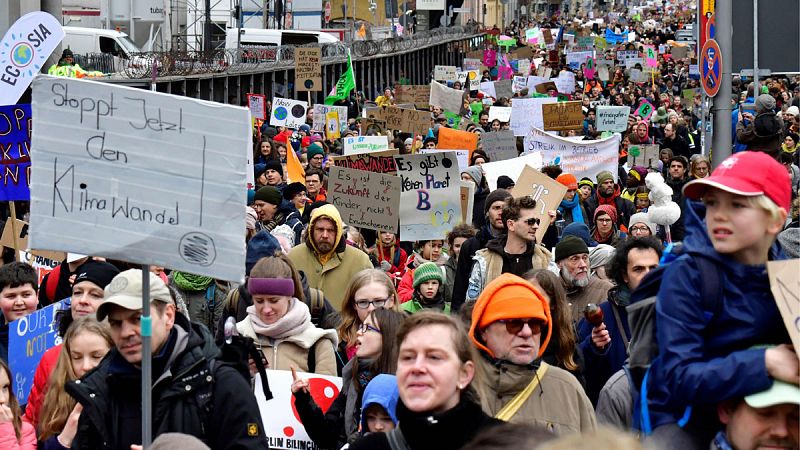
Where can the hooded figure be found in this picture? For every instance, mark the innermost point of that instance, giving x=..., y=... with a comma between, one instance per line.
x=764, y=132
x=327, y=260
x=382, y=391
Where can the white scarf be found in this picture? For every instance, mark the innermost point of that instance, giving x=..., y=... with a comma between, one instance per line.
x=294, y=322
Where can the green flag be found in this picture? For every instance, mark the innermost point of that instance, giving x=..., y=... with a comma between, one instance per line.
x=346, y=83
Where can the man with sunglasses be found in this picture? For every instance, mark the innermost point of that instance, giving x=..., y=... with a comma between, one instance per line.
x=511, y=327
x=515, y=252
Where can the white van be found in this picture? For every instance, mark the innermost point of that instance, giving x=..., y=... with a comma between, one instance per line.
x=256, y=37
x=83, y=41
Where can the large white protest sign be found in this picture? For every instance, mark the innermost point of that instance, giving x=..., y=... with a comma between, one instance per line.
x=527, y=113
x=430, y=202
x=25, y=48
x=445, y=73
x=511, y=168
x=487, y=87
x=144, y=177
x=365, y=144
x=282, y=425
x=578, y=157
x=288, y=113
x=565, y=82
x=612, y=118
x=461, y=155
x=365, y=199
x=501, y=113
x=519, y=83
x=321, y=110
x=448, y=99
x=534, y=80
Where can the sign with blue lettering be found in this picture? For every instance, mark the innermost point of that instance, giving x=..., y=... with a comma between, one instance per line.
x=430, y=195
x=28, y=339
x=24, y=49
x=15, y=143
x=154, y=178
x=710, y=67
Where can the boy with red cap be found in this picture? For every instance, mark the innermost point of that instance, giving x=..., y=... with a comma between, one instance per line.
x=508, y=323
x=705, y=357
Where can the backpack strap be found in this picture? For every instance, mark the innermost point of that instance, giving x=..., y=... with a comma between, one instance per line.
x=312, y=358
x=507, y=412
x=711, y=288
x=232, y=302
x=396, y=439
x=316, y=302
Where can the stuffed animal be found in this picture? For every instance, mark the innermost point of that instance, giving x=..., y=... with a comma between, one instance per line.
x=662, y=211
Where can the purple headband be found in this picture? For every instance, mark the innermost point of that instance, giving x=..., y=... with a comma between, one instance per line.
x=271, y=286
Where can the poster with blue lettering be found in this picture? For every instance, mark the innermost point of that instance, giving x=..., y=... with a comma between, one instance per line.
x=15, y=143
x=24, y=50
x=430, y=196
x=28, y=339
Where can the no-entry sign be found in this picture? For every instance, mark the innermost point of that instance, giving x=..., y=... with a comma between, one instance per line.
x=710, y=67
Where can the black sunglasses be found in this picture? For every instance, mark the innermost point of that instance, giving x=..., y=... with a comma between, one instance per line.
x=514, y=326
x=531, y=222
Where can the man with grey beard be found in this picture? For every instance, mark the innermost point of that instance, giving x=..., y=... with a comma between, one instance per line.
x=572, y=258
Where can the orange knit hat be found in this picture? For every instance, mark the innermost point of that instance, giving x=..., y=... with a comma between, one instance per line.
x=509, y=297
x=568, y=180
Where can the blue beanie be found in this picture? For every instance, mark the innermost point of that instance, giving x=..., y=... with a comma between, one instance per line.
x=261, y=245
x=580, y=230
x=251, y=196
x=381, y=390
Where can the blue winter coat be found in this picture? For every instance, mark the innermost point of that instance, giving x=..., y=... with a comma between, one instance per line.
x=381, y=390
x=599, y=365
x=706, y=357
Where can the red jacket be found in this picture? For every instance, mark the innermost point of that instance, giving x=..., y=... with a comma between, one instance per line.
x=398, y=262
x=39, y=388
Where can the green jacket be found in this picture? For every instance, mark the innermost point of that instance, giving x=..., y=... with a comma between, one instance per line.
x=413, y=306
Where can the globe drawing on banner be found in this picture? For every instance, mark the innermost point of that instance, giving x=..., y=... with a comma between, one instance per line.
x=281, y=113
x=22, y=55
x=298, y=111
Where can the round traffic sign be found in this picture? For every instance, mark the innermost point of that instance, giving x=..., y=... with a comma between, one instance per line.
x=710, y=67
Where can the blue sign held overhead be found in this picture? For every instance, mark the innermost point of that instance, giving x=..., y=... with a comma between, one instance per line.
x=15, y=143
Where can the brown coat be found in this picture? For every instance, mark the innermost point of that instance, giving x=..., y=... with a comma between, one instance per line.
x=596, y=292
x=558, y=403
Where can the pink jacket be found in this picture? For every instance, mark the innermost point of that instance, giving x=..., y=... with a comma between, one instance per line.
x=8, y=439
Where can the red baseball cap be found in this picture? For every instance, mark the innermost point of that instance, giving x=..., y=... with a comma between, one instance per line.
x=748, y=174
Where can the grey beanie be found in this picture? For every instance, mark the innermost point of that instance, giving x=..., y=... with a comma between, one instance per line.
x=765, y=102
x=497, y=195
x=644, y=218
x=475, y=173
x=600, y=255
x=790, y=242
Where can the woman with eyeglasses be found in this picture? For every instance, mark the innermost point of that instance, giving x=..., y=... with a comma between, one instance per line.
x=376, y=353
x=605, y=229
x=369, y=290
x=279, y=321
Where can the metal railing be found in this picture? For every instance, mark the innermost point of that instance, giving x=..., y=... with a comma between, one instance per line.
x=256, y=58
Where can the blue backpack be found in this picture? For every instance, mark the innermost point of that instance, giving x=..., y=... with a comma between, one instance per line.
x=643, y=346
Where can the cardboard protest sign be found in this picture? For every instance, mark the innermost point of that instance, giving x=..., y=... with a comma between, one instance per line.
x=565, y=82
x=288, y=113
x=467, y=200
x=548, y=36
x=365, y=144
x=578, y=157
x=612, y=118
x=365, y=199
x=679, y=52
x=645, y=110
x=503, y=89
x=499, y=145
x=562, y=116
x=445, y=73
x=380, y=162
x=282, y=425
x=645, y=155
x=688, y=95
x=15, y=143
x=419, y=95
x=23, y=230
x=637, y=76
x=28, y=339
x=547, y=192
x=180, y=208
x=527, y=113
x=511, y=168
x=308, y=69
x=602, y=73
x=472, y=64
x=450, y=139
x=430, y=202
x=448, y=99
x=25, y=47
x=461, y=155
x=321, y=112
x=408, y=120
x=784, y=282
x=258, y=106
x=501, y=113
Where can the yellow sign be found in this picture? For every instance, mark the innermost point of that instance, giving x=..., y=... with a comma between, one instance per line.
x=708, y=6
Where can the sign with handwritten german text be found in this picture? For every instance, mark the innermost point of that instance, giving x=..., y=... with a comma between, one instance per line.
x=144, y=177
x=366, y=199
x=430, y=200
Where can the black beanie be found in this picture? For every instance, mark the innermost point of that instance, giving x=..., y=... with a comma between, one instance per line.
x=269, y=194
x=98, y=272
x=495, y=196
x=275, y=165
x=570, y=245
x=504, y=182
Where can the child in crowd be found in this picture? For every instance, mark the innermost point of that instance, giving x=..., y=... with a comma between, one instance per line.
x=14, y=433
x=18, y=297
x=428, y=292
x=379, y=404
x=706, y=357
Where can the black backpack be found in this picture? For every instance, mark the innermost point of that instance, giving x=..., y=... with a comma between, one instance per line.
x=643, y=346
